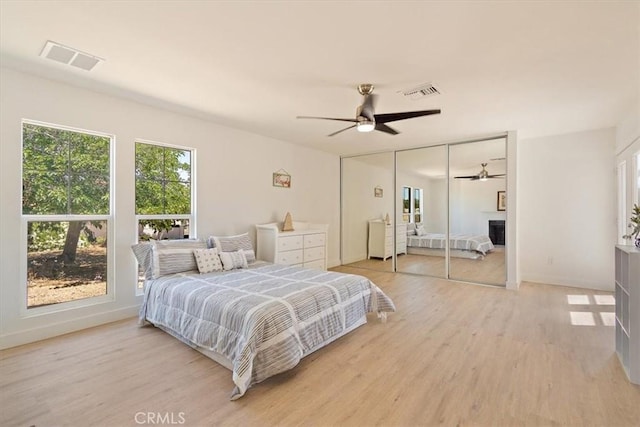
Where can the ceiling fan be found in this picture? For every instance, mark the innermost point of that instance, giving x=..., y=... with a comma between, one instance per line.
x=483, y=175
x=366, y=120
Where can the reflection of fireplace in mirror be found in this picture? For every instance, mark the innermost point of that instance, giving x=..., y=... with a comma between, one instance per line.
x=496, y=232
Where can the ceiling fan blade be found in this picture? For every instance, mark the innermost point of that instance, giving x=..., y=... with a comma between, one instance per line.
x=392, y=117
x=384, y=128
x=327, y=118
x=496, y=176
x=467, y=177
x=342, y=130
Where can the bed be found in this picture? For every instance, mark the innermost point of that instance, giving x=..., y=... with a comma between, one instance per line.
x=261, y=319
x=461, y=245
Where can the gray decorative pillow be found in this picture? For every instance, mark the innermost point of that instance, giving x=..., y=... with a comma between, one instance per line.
x=142, y=252
x=207, y=260
x=174, y=256
x=233, y=260
x=233, y=244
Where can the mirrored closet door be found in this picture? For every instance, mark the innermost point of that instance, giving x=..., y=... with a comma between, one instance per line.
x=367, y=211
x=436, y=211
x=477, y=211
x=421, y=209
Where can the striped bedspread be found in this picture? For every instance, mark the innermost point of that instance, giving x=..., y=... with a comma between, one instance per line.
x=263, y=319
x=466, y=242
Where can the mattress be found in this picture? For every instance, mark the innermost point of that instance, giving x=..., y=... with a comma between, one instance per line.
x=262, y=320
x=466, y=242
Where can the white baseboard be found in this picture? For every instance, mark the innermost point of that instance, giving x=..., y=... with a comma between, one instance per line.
x=563, y=281
x=53, y=330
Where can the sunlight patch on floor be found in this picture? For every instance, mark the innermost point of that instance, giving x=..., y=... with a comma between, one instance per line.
x=608, y=318
x=605, y=299
x=578, y=299
x=582, y=318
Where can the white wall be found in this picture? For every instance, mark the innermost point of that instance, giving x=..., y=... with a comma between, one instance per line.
x=567, y=216
x=233, y=179
x=473, y=204
x=359, y=204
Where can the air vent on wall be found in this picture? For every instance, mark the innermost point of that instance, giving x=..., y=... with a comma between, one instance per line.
x=70, y=56
x=427, y=89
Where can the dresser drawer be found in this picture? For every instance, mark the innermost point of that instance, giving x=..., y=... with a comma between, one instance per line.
x=313, y=240
x=290, y=257
x=289, y=243
x=312, y=254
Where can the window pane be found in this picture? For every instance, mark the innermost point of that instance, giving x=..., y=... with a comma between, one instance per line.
x=149, y=161
x=177, y=198
x=89, y=154
x=89, y=195
x=149, y=197
x=163, y=180
x=50, y=157
x=66, y=261
x=44, y=149
x=177, y=165
x=44, y=193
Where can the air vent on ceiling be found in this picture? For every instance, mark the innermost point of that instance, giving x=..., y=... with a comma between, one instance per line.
x=427, y=89
x=70, y=56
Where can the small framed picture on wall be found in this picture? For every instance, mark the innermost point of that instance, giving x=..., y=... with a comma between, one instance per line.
x=377, y=192
x=502, y=200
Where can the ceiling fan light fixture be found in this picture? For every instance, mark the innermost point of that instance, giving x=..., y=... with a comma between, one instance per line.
x=366, y=126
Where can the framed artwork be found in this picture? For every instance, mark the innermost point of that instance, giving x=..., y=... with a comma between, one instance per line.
x=281, y=179
x=502, y=200
x=377, y=192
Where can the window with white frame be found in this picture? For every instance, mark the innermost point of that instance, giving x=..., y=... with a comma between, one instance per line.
x=412, y=204
x=66, y=211
x=164, y=192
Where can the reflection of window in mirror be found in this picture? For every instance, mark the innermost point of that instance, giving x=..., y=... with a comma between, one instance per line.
x=406, y=203
x=417, y=204
x=412, y=204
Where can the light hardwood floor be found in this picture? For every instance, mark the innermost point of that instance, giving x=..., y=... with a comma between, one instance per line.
x=490, y=269
x=453, y=354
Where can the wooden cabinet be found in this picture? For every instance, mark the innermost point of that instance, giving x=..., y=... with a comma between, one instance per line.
x=306, y=246
x=381, y=239
x=628, y=310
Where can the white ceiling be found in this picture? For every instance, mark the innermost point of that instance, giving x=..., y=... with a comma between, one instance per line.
x=540, y=68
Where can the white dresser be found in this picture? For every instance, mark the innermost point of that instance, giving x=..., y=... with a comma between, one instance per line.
x=628, y=310
x=381, y=239
x=306, y=246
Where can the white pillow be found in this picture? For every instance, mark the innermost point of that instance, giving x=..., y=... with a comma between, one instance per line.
x=420, y=230
x=233, y=260
x=207, y=260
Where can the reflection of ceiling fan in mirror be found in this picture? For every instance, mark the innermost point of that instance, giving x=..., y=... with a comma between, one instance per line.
x=366, y=120
x=483, y=175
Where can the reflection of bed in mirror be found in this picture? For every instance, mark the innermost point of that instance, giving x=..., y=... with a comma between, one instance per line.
x=471, y=246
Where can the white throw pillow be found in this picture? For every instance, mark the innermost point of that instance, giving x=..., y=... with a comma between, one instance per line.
x=233, y=260
x=208, y=260
x=420, y=230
